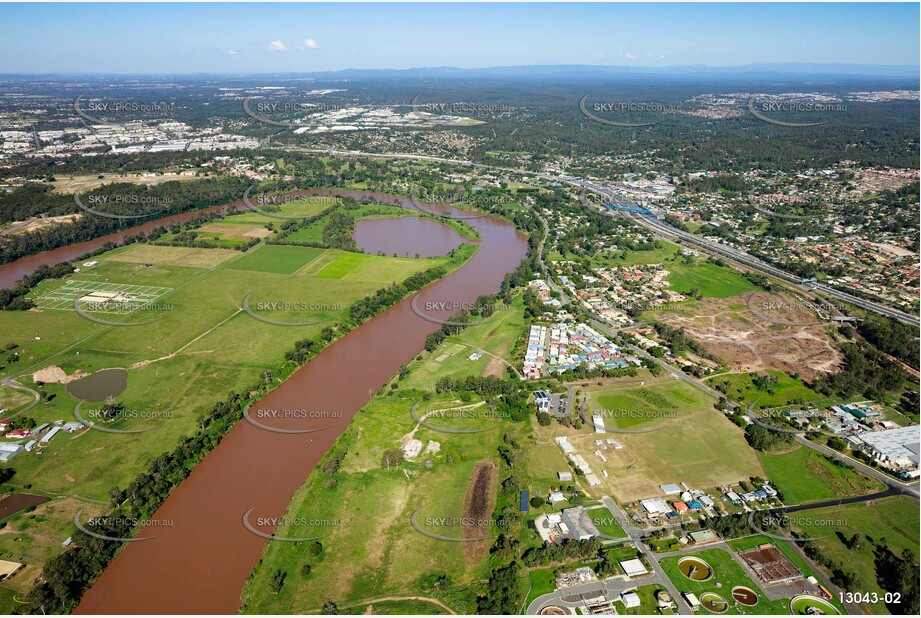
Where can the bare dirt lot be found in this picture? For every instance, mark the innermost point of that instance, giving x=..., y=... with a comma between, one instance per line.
x=86, y=183
x=782, y=334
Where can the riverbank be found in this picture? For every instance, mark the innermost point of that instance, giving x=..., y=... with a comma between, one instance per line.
x=206, y=556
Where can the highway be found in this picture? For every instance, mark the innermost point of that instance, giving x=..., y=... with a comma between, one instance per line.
x=652, y=223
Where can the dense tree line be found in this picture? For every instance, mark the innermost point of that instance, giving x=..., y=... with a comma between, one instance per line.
x=338, y=231
x=170, y=198
x=555, y=553
x=866, y=372
x=764, y=439
x=892, y=337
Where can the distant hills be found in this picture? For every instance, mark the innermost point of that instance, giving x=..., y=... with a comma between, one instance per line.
x=572, y=71
x=561, y=72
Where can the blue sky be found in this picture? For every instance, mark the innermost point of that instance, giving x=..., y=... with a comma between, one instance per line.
x=189, y=38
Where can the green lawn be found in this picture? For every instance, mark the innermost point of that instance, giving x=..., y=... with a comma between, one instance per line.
x=711, y=280
x=739, y=386
x=640, y=406
x=606, y=523
x=542, y=582
x=279, y=259
x=802, y=476
x=343, y=265
x=309, y=233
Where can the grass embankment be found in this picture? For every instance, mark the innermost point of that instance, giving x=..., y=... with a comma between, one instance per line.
x=802, y=476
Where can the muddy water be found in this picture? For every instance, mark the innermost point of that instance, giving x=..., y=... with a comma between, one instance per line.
x=200, y=563
x=16, y=502
x=406, y=237
x=99, y=386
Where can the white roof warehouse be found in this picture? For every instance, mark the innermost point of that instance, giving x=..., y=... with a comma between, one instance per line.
x=897, y=446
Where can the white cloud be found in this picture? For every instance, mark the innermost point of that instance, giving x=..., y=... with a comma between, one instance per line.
x=654, y=55
x=231, y=52
x=277, y=46
x=629, y=56
x=311, y=44
x=598, y=55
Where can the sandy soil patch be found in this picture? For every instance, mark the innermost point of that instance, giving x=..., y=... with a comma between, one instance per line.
x=727, y=329
x=52, y=374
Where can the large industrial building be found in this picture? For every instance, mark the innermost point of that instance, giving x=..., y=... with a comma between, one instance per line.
x=898, y=447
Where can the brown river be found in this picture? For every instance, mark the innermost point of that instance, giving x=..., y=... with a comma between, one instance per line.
x=200, y=563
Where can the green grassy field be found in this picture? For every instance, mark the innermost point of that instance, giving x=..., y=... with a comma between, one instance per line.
x=199, y=346
x=344, y=264
x=711, y=280
x=542, y=581
x=496, y=335
x=890, y=521
x=309, y=233
x=606, y=524
x=378, y=552
x=787, y=389
x=691, y=442
x=279, y=259
x=802, y=476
